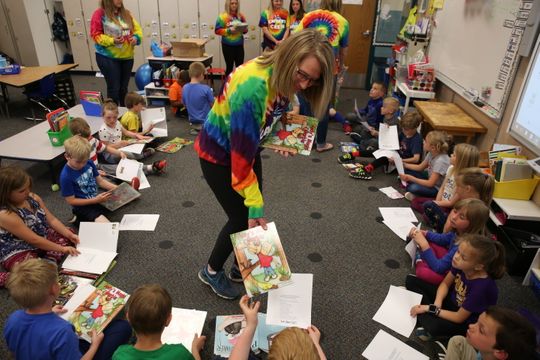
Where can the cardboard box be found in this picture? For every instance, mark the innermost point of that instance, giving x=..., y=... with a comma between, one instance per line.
x=188, y=48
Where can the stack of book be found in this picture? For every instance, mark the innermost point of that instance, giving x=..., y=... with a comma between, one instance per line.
x=58, y=119
x=91, y=102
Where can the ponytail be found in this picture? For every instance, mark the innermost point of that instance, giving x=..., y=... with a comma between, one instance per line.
x=482, y=183
x=490, y=253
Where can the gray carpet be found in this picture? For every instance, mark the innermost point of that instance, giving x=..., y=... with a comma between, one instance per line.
x=329, y=225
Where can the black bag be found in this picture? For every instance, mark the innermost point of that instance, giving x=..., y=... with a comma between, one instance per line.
x=59, y=27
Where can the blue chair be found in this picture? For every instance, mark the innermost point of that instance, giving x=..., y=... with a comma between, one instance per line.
x=42, y=94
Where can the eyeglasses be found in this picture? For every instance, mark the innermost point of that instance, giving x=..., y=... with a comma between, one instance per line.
x=305, y=77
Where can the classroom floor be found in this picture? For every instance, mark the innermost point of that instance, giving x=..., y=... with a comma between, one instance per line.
x=329, y=226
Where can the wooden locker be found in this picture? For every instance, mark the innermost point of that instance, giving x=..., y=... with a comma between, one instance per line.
x=208, y=11
x=88, y=8
x=252, y=40
x=138, y=57
x=77, y=35
x=169, y=19
x=149, y=20
x=189, y=19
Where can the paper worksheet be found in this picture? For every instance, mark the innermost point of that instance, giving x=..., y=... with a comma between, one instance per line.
x=141, y=222
x=127, y=169
x=391, y=192
x=388, y=137
x=156, y=117
x=411, y=249
x=291, y=305
x=395, y=310
x=400, y=228
x=398, y=214
x=386, y=347
x=394, y=155
x=133, y=148
x=183, y=327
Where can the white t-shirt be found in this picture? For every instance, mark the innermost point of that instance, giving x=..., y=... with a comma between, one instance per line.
x=450, y=186
x=111, y=135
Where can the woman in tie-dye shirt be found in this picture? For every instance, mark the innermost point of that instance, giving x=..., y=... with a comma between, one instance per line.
x=296, y=13
x=253, y=99
x=232, y=35
x=115, y=33
x=274, y=23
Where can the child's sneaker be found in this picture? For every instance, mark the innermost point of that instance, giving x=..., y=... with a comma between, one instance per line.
x=158, y=167
x=369, y=168
x=148, y=152
x=422, y=334
x=346, y=158
x=410, y=196
x=219, y=283
x=235, y=274
x=356, y=137
x=135, y=183
x=347, y=129
x=441, y=351
x=360, y=173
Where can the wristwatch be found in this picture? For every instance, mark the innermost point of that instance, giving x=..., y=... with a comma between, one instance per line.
x=434, y=309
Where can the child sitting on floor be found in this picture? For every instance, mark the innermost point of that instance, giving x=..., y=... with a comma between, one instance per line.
x=370, y=114
x=175, y=93
x=149, y=311
x=27, y=228
x=38, y=332
x=197, y=97
x=131, y=120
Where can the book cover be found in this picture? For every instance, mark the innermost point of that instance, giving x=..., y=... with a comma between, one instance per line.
x=155, y=117
x=57, y=119
x=68, y=285
x=91, y=102
x=261, y=259
x=266, y=332
x=348, y=147
x=185, y=323
x=97, y=309
x=121, y=196
x=294, y=134
x=173, y=145
x=228, y=330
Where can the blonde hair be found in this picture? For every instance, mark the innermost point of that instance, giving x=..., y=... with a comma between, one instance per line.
x=149, y=308
x=110, y=13
x=289, y=54
x=392, y=102
x=196, y=69
x=482, y=183
x=30, y=281
x=467, y=156
x=332, y=5
x=271, y=6
x=476, y=212
x=78, y=148
x=293, y=343
x=109, y=105
x=132, y=99
x=489, y=253
x=228, y=7
x=12, y=178
x=438, y=139
x=79, y=126
x=411, y=120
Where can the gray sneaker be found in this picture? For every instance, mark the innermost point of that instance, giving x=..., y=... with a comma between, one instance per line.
x=219, y=283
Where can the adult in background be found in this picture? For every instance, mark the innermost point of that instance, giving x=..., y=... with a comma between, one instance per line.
x=274, y=23
x=253, y=99
x=296, y=13
x=335, y=27
x=232, y=36
x=115, y=33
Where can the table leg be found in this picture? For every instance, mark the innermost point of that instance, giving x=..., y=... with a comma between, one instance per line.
x=5, y=97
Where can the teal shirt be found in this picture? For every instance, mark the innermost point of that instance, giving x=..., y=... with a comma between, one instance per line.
x=166, y=352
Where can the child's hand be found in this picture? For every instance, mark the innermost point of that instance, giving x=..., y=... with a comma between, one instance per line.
x=58, y=309
x=249, y=310
x=74, y=238
x=102, y=173
x=150, y=128
x=104, y=196
x=314, y=334
x=70, y=250
x=391, y=160
x=283, y=153
x=123, y=155
x=198, y=343
x=405, y=177
x=124, y=143
x=419, y=309
x=373, y=132
x=95, y=338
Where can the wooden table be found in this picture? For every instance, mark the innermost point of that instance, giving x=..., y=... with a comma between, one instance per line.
x=27, y=76
x=450, y=118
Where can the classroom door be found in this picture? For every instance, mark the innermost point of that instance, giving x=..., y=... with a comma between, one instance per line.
x=361, y=19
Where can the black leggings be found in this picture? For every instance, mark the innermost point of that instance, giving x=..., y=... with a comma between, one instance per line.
x=234, y=56
x=218, y=178
x=434, y=325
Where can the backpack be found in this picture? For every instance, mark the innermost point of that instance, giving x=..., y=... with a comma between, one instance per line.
x=59, y=27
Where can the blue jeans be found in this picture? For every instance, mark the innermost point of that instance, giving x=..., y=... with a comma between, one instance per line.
x=117, y=333
x=117, y=74
x=420, y=190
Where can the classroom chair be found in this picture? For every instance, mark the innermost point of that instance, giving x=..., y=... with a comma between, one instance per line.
x=43, y=93
x=211, y=72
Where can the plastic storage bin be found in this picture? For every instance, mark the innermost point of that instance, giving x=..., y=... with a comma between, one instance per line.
x=57, y=138
x=516, y=189
x=10, y=70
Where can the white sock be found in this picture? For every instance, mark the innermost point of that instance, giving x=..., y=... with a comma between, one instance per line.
x=210, y=271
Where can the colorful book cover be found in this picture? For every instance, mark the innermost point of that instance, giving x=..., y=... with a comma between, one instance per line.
x=97, y=309
x=57, y=119
x=68, y=285
x=261, y=259
x=173, y=145
x=295, y=134
x=228, y=330
x=348, y=147
x=120, y=196
x=266, y=332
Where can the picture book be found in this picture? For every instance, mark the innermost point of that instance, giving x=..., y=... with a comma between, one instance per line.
x=261, y=259
x=157, y=118
x=91, y=102
x=184, y=325
x=348, y=147
x=122, y=195
x=228, y=330
x=266, y=332
x=68, y=285
x=294, y=134
x=57, y=119
x=93, y=308
x=173, y=145
x=291, y=305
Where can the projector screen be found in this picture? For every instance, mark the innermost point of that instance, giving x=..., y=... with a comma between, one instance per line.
x=525, y=125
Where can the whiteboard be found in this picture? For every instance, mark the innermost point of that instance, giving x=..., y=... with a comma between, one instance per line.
x=474, y=46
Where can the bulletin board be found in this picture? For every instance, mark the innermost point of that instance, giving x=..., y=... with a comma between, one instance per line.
x=474, y=46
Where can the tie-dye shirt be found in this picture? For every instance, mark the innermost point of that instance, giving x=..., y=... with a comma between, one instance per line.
x=277, y=22
x=242, y=115
x=224, y=22
x=293, y=22
x=334, y=26
x=103, y=30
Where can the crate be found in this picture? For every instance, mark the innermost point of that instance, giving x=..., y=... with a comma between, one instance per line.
x=64, y=88
x=57, y=138
x=516, y=189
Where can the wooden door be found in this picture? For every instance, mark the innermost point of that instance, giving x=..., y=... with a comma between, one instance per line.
x=189, y=19
x=208, y=13
x=361, y=19
x=149, y=20
x=138, y=56
x=77, y=35
x=88, y=8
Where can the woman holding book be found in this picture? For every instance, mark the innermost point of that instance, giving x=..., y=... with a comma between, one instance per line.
x=115, y=33
x=231, y=26
x=254, y=98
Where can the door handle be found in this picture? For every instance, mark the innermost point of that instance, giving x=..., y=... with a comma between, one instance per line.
x=366, y=33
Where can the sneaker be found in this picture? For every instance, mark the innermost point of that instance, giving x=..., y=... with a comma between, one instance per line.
x=369, y=168
x=148, y=152
x=346, y=158
x=410, y=196
x=360, y=173
x=347, y=129
x=193, y=132
x=158, y=167
x=422, y=334
x=73, y=219
x=235, y=275
x=135, y=183
x=356, y=137
x=441, y=350
x=219, y=283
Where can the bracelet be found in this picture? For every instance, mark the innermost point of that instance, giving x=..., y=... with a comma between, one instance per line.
x=438, y=311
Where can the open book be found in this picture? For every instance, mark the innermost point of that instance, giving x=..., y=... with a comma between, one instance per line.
x=92, y=308
x=173, y=145
x=261, y=259
x=156, y=117
x=184, y=325
x=294, y=134
x=228, y=329
x=68, y=285
x=121, y=196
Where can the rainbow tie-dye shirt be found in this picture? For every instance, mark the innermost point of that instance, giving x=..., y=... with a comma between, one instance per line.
x=277, y=22
x=223, y=22
x=103, y=30
x=242, y=115
x=334, y=26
